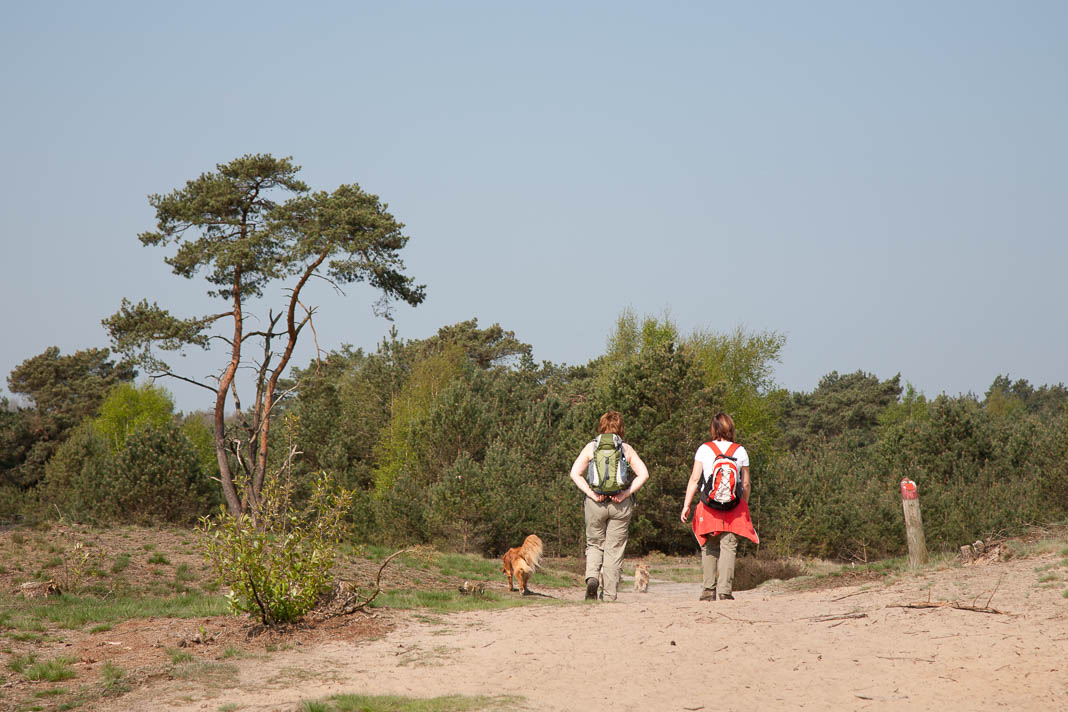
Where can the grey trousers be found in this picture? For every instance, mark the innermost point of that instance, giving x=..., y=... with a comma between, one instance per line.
x=717, y=562
x=606, y=538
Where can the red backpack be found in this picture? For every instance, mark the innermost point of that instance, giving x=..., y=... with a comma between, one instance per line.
x=721, y=487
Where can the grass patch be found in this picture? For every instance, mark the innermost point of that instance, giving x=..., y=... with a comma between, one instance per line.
x=206, y=671
x=54, y=670
x=467, y=567
x=1048, y=577
x=394, y=703
x=26, y=637
x=102, y=628
x=51, y=692
x=20, y=663
x=114, y=679
x=79, y=611
x=232, y=653
x=158, y=558
x=121, y=562
x=179, y=656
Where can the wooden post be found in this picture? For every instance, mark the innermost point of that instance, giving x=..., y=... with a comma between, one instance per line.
x=910, y=503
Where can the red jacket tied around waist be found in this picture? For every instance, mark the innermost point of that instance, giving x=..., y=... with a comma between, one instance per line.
x=708, y=521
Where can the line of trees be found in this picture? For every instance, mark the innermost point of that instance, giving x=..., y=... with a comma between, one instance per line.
x=463, y=441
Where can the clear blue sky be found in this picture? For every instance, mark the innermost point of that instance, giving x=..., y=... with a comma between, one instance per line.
x=883, y=183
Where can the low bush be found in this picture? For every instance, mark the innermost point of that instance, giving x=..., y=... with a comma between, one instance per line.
x=277, y=559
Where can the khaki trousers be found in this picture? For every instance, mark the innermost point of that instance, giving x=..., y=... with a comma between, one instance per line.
x=606, y=538
x=717, y=562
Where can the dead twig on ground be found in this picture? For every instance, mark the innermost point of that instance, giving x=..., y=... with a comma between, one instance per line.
x=849, y=595
x=353, y=603
x=954, y=604
x=836, y=617
x=946, y=604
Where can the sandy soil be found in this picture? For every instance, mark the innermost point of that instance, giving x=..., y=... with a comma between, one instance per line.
x=770, y=649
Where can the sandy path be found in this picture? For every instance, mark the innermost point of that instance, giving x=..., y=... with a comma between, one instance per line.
x=654, y=652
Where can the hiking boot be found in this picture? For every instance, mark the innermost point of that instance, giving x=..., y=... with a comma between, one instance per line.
x=591, y=589
x=709, y=594
x=726, y=597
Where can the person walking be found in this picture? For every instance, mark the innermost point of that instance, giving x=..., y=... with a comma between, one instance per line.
x=601, y=471
x=721, y=472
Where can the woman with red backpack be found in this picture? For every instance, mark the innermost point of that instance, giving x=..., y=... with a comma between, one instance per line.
x=721, y=475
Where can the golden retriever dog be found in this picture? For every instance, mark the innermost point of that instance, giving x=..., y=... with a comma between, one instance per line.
x=641, y=578
x=520, y=562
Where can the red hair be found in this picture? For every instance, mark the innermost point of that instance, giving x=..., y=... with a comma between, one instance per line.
x=611, y=422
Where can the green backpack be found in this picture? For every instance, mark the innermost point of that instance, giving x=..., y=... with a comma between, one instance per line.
x=607, y=472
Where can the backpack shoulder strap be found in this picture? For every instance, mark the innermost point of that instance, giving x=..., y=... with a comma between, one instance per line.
x=714, y=448
x=732, y=449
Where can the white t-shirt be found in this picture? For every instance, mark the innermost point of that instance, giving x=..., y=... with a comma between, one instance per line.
x=706, y=457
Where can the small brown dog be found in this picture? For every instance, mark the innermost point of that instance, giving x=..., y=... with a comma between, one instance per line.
x=641, y=578
x=520, y=562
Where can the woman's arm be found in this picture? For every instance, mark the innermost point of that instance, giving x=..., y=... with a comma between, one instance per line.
x=691, y=488
x=746, y=485
x=578, y=473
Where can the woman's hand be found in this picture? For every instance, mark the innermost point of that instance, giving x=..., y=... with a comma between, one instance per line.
x=596, y=497
x=685, y=513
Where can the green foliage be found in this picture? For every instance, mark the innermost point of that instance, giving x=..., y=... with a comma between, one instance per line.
x=197, y=431
x=977, y=473
x=447, y=444
x=128, y=408
x=277, y=559
x=1008, y=397
x=155, y=478
x=68, y=388
x=429, y=377
x=738, y=367
x=846, y=406
x=73, y=477
x=62, y=391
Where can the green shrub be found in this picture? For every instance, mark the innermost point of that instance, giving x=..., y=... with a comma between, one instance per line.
x=73, y=477
x=275, y=559
x=156, y=477
x=129, y=408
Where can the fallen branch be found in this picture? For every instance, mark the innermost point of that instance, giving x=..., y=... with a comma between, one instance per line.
x=946, y=604
x=353, y=603
x=848, y=595
x=837, y=617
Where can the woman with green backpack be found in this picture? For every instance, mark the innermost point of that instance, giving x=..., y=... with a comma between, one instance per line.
x=602, y=472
